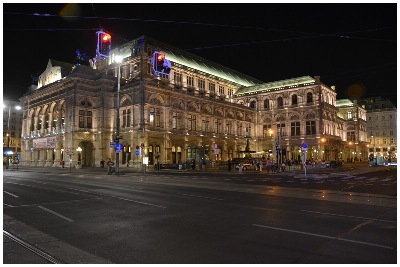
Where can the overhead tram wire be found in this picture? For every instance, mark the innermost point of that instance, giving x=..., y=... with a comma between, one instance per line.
x=161, y=21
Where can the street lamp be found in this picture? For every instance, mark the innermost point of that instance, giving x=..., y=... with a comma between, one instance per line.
x=118, y=59
x=8, y=133
x=323, y=140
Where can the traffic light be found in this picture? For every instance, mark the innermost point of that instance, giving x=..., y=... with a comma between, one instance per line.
x=161, y=65
x=103, y=43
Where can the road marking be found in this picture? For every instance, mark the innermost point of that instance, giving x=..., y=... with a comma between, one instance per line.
x=57, y=214
x=11, y=206
x=8, y=193
x=323, y=236
x=121, y=198
x=187, y=195
x=348, y=216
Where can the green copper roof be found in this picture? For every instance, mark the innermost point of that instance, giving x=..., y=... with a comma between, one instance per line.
x=344, y=103
x=209, y=68
x=275, y=86
x=179, y=56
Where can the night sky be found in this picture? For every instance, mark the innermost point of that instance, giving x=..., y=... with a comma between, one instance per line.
x=351, y=46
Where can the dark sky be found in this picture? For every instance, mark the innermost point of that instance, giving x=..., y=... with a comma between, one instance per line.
x=352, y=46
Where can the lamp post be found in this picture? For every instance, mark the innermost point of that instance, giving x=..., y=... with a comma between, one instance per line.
x=323, y=140
x=118, y=59
x=373, y=139
x=8, y=152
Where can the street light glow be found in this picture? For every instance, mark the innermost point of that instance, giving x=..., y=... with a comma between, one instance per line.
x=118, y=59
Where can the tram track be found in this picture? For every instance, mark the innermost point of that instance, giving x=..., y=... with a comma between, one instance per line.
x=37, y=251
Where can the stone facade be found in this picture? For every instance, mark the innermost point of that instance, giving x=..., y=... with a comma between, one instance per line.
x=201, y=110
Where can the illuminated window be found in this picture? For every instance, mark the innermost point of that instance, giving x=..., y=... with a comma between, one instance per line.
x=202, y=84
x=267, y=131
x=229, y=127
x=221, y=90
x=310, y=128
x=295, y=128
x=309, y=97
x=294, y=99
x=126, y=118
x=205, y=124
x=349, y=115
x=178, y=78
x=266, y=103
x=281, y=129
x=218, y=126
x=191, y=122
x=190, y=81
x=280, y=102
x=239, y=129
x=85, y=118
x=176, y=120
x=211, y=87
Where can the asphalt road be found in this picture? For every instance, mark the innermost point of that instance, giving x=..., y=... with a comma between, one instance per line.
x=206, y=218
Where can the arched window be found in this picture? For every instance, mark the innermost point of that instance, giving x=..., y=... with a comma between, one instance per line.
x=46, y=120
x=280, y=102
x=266, y=103
x=309, y=97
x=55, y=117
x=253, y=104
x=126, y=118
x=294, y=99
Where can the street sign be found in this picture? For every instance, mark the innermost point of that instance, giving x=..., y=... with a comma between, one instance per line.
x=304, y=146
x=118, y=148
x=137, y=153
x=112, y=144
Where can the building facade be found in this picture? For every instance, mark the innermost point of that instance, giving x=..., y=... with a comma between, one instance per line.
x=201, y=110
x=381, y=127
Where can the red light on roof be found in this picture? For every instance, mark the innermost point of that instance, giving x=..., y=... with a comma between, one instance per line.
x=106, y=37
x=160, y=57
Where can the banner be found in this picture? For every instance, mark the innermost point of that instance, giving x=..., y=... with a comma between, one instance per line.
x=48, y=142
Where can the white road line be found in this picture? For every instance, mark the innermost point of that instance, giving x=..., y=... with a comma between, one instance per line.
x=8, y=193
x=8, y=205
x=323, y=236
x=121, y=198
x=57, y=214
x=348, y=216
x=187, y=195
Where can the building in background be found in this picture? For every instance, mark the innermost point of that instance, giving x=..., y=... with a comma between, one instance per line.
x=353, y=117
x=381, y=127
x=200, y=111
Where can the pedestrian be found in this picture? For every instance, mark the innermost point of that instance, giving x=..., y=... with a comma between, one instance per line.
x=203, y=163
x=102, y=163
x=62, y=163
x=110, y=165
x=180, y=164
x=192, y=164
x=268, y=165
